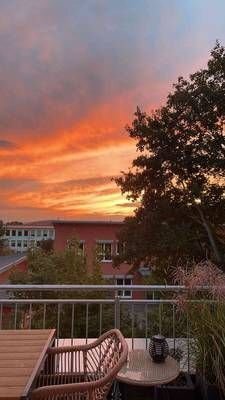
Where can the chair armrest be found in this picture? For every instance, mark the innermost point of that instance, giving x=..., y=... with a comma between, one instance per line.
x=64, y=349
x=85, y=347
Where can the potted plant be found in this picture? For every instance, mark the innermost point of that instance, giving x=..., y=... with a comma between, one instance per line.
x=183, y=387
x=208, y=327
x=206, y=315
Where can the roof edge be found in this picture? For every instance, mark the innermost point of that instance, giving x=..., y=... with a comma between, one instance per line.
x=58, y=222
x=12, y=264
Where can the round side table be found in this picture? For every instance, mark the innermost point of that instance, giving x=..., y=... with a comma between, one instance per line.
x=140, y=370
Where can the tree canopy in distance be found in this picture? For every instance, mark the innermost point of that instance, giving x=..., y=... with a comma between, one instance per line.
x=178, y=176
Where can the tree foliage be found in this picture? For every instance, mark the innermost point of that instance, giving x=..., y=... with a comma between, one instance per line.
x=47, y=245
x=65, y=267
x=178, y=176
x=4, y=248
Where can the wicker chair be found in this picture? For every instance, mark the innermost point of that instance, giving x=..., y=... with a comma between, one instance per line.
x=82, y=372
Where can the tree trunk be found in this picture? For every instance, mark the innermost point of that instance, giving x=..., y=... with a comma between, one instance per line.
x=210, y=236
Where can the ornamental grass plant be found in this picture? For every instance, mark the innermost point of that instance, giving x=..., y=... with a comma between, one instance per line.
x=205, y=308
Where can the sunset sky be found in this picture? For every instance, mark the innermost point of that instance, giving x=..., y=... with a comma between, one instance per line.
x=71, y=75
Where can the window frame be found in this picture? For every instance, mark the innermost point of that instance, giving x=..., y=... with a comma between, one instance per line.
x=51, y=233
x=81, y=246
x=102, y=253
x=123, y=245
x=122, y=293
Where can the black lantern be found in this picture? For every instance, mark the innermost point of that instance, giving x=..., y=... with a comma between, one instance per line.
x=158, y=348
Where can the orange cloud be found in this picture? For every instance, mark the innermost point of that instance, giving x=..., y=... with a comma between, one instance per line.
x=68, y=175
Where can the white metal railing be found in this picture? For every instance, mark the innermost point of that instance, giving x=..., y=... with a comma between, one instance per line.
x=112, y=288
x=64, y=307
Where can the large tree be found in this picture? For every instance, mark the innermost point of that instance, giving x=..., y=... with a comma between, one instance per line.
x=178, y=177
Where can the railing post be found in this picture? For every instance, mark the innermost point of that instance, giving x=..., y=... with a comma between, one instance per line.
x=117, y=310
x=188, y=342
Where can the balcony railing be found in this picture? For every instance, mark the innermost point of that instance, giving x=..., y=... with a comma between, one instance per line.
x=82, y=312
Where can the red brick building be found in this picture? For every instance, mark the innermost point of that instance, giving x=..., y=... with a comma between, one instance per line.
x=100, y=236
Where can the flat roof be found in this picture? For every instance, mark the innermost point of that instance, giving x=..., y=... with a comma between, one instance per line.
x=29, y=226
x=39, y=222
x=87, y=222
x=8, y=261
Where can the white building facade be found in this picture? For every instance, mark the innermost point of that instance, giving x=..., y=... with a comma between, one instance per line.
x=20, y=238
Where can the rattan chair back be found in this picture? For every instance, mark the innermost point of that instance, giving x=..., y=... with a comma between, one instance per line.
x=82, y=372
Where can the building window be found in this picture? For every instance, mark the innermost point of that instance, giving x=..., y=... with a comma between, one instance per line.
x=25, y=233
x=104, y=251
x=32, y=233
x=76, y=244
x=19, y=233
x=45, y=233
x=124, y=281
x=19, y=243
x=38, y=232
x=13, y=232
x=6, y=242
x=13, y=243
x=25, y=243
x=50, y=233
x=81, y=248
x=7, y=233
x=120, y=248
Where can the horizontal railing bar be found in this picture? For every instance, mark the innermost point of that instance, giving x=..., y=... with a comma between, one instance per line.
x=56, y=301
x=166, y=301
x=99, y=301
x=99, y=287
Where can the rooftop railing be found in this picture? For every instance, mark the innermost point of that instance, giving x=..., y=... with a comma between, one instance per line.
x=85, y=311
